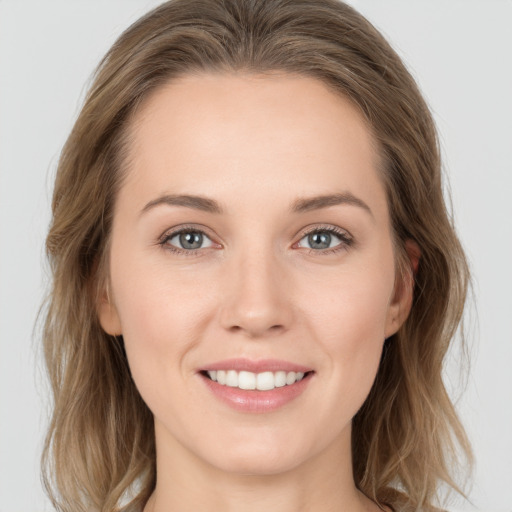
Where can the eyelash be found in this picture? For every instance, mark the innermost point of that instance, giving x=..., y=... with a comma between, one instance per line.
x=346, y=240
x=164, y=239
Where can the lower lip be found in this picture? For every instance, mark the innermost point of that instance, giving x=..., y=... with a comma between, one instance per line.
x=255, y=401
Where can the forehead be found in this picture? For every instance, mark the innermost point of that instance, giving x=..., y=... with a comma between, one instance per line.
x=280, y=133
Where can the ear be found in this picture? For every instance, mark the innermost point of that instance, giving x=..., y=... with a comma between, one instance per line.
x=107, y=313
x=401, y=303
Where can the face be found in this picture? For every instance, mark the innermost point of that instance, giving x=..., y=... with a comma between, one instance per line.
x=251, y=244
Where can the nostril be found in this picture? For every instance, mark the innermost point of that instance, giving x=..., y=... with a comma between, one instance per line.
x=255, y=331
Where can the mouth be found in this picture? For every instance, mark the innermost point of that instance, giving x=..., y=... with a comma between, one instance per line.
x=256, y=386
x=251, y=381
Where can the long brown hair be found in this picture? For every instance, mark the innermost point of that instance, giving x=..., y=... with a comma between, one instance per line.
x=100, y=442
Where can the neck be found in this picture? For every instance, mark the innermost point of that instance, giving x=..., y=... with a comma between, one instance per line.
x=323, y=483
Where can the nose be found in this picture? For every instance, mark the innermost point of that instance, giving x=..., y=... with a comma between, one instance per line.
x=256, y=299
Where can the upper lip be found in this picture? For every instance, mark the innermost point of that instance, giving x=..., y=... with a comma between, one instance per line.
x=256, y=366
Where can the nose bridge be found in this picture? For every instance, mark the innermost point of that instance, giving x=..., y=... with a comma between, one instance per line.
x=256, y=300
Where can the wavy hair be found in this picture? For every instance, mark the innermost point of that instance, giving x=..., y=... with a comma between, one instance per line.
x=100, y=442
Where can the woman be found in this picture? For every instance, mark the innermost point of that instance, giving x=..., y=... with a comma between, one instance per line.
x=255, y=276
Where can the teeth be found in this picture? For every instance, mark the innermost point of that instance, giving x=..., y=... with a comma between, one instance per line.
x=279, y=379
x=231, y=379
x=290, y=378
x=261, y=381
x=246, y=380
x=265, y=381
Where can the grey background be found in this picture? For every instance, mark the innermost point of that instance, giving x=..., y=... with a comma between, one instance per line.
x=460, y=52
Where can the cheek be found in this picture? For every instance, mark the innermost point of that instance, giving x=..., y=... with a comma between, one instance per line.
x=160, y=318
x=159, y=314
x=351, y=307
x=348, y=316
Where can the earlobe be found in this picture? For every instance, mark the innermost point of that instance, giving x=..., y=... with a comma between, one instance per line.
x=401, y=304
x=108, y=316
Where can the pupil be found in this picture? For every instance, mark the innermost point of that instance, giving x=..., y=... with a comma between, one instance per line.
x=191, y=240
x=319, y=240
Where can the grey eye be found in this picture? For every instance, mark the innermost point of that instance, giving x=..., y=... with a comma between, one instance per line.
x=323, y=239
x=190, y=240
x=319, y=240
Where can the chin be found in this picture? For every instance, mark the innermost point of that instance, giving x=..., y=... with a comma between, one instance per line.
x=260, y=457
x=263, y=465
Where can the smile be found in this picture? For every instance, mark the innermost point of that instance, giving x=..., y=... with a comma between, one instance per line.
x=263, y=381
x=256, y=387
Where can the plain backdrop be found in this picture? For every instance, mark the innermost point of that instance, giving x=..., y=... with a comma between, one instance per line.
x=460, y=51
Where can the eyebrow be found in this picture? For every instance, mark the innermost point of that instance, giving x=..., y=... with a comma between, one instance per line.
x=324, y=201
x=300, y=205
x=196, y=202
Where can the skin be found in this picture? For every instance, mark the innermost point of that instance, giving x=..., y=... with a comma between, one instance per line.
x=255, y=289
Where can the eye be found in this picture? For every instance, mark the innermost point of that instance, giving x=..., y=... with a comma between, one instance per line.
x=321, y=239
x=186, y=240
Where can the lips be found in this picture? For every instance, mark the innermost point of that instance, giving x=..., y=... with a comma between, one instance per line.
x=259, y=366
x=256, y=386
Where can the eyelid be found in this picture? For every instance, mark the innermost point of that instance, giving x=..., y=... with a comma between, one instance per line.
x=185, y=228
x=346, y=239
x=326, y=227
